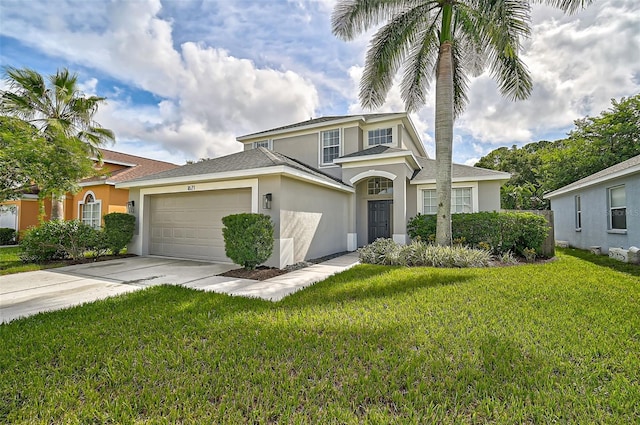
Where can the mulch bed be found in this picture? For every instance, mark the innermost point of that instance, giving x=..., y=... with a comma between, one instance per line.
x=264, y=273
x=260, y=273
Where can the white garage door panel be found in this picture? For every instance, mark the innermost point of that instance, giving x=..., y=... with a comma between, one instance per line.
x=189, y=225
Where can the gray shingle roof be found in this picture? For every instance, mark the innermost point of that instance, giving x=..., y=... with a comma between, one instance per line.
x=615, y=169
x=428, y=172
x=244, y=160
x=318, y=121
x=376, y=150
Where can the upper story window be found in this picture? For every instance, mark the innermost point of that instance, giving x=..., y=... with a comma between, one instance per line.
x=329, y=146
x=380, y=136
x=578, y=205
x=379, y=186
x=460, y=201
x=617, y=208
x=263, y=144
x=90, y=211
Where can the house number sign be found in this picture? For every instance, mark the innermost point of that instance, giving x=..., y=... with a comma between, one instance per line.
x=191, y=187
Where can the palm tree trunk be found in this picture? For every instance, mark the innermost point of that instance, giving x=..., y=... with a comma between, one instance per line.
x=57, y=207
x=444, y=142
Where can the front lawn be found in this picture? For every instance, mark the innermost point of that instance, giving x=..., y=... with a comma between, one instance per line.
x=10, y=262
x=555, y=342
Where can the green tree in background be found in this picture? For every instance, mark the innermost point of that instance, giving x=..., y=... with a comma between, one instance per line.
x=27, y=159
x=446, y=39
x=64, y=117
x=595, y=144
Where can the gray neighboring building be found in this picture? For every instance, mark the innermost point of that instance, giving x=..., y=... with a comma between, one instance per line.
x=601, y=210
x=330, y=185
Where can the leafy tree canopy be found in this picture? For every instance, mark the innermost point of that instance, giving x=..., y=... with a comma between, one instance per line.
x=28, y=159
x=594, y=144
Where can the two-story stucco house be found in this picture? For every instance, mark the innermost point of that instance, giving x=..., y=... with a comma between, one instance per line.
x=330, y=185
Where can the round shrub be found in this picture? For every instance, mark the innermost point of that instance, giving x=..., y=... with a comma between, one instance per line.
x=248, y=238
x=118, y=231
x=7, y=236
x=57, y=239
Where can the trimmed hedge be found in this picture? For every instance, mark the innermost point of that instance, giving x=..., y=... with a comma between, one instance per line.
x=7, y=236
x=57, y=240
x=248, y=238
x=500, y=232
x=118, y=230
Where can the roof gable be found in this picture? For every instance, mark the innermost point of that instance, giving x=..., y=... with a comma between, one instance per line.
x=459, y=172
x=322, y=120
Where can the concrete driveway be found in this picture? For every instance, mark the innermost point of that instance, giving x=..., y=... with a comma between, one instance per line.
x=25, y=294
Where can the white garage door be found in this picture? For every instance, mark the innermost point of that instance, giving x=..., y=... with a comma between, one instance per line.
x=189, y=225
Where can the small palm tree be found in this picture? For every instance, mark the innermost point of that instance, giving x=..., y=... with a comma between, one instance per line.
x=451, y=39
x=61, y=112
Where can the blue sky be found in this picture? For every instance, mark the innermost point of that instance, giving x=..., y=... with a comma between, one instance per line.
x=185, y=78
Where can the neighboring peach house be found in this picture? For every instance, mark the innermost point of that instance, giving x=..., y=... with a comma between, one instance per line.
x=97, y=196
x=329, y=184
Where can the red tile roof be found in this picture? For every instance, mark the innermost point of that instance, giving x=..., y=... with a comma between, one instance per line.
x=135, y=167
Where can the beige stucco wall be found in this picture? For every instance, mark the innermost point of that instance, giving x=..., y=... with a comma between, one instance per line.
x=303, y=148
x=489, y=196
x=352, y=140
x=315, y=218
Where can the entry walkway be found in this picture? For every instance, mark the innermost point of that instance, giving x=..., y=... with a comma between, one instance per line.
x=25, y=294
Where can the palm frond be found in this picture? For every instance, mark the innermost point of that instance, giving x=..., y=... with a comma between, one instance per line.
x=460, y=79
x=353, y=17
x=419, y=68
x=568, y=6
x=502, y=25
x=386, y=54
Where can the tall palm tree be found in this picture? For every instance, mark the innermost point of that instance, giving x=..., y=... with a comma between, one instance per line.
x=451, y=39
x=61, y=112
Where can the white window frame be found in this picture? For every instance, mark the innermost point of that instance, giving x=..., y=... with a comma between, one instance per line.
x=578, y=211
x=617, y=207
x=461, y=185
x=378, y=136
x=385, y=186
x=261, y=143
x=97, y=203
x=321, y=147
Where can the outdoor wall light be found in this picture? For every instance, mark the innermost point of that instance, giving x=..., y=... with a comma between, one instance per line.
x=266, y=201
x=130, y=207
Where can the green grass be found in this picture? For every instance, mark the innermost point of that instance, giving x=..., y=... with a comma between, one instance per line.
x=555, y=342
x=10, y=262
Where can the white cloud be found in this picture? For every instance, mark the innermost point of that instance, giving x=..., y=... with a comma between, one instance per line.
x=578, y=65
x=208, y=97
x=218, y=69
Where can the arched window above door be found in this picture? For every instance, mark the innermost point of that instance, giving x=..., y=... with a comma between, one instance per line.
x=379, y=186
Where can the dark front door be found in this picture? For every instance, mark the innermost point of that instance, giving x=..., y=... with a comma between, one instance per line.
x=379, y=217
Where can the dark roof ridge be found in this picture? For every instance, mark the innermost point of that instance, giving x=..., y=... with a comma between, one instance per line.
x=322, y=119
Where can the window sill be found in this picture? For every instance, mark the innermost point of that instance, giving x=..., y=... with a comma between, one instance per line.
x=578, y=230
x=617, y=231
x=328, y=166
